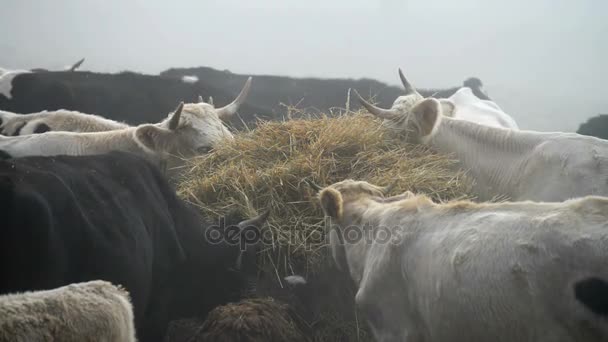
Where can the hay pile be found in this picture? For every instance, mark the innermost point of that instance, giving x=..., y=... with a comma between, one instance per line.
x=251, y=320
x=264, y=168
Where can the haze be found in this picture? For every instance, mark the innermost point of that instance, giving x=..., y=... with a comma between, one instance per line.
x=542, y=61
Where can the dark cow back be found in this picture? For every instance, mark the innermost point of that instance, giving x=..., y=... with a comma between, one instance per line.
x=129, y=97
x=112, y=217
x=310, y=94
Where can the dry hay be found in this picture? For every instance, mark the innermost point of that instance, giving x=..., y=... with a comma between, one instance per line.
x=251, y=320
x=265, y=167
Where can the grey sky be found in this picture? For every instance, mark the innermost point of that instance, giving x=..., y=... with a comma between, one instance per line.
x=543, y=61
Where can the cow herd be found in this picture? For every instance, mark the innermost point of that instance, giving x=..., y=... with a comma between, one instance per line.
x=96, y=245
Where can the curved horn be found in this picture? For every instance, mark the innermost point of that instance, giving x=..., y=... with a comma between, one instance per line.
x=313, y=185
x=229, y=110
x=76, y=65
x=200, y=99
x=409, y=88
x=257, y=221
x=390, y=114
x=176, y=115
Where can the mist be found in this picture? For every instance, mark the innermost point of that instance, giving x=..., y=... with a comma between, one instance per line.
x=543, y=62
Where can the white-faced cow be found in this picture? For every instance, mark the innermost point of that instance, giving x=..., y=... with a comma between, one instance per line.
x=462, y=104
x=192, y=129
x=90, y=311
x=70, y=121
x=462, y=271
x=520, y=165
x=125, y=97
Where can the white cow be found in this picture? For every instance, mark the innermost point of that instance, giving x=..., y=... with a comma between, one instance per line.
x=12, y=124
x=521, y=165
x=469, y=107
x=462, y=271
x=192, y=129
x=463, y=105
x=91, y=311
x=58, y=120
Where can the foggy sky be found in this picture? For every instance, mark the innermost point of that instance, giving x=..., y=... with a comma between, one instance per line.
x=542, y=61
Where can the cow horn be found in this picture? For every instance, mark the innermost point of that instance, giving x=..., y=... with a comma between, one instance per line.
x=76, y=65
x=257, y=221
x=210, y=100
x=390, y=114
x=176, y=115
x=313, y=185
x=409, y=88
x=229, y=110
x=387, y=189
x=200, y=99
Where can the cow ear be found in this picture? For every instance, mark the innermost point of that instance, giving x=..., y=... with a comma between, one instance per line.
x=150, y=136
x=427, y=114
x=332, y=203
x=447, y=107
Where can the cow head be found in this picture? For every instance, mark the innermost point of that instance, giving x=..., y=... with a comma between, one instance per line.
x=412, y=114
x=375, y=268
x=192, y=129
x=342, y=204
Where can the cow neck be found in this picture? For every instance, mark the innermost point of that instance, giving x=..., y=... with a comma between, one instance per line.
x=494, y=157
x=114, y=140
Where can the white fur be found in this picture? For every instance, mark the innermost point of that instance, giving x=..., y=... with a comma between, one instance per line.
x=91, y=311
x=199, y=127
x=474, y=272
x=519, y=165
x=470, y=108
x=58, y=120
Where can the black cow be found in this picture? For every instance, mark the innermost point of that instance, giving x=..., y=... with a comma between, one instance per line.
x=128, y=97
x=597, y=126
x=114, y=217
x=312, y=94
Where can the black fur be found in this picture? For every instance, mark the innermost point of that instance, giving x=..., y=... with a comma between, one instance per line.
x=114, y=217
x=593, y=293
x=42, y=128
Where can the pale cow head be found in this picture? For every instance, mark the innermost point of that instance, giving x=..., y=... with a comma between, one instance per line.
x=411, y=113
x=357, y=205
x=192, y=129
x=342, y=203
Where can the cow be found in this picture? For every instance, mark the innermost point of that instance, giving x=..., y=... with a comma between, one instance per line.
x=90, y=311
x=192, y=129
x=7, y=76
x=70, y=121
x=596, y=126
x=277, y=93
x=461, y=104
x=114, y=217
x=125, y=97
x=12, y=124
x=506, y=163
x=465, y=271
